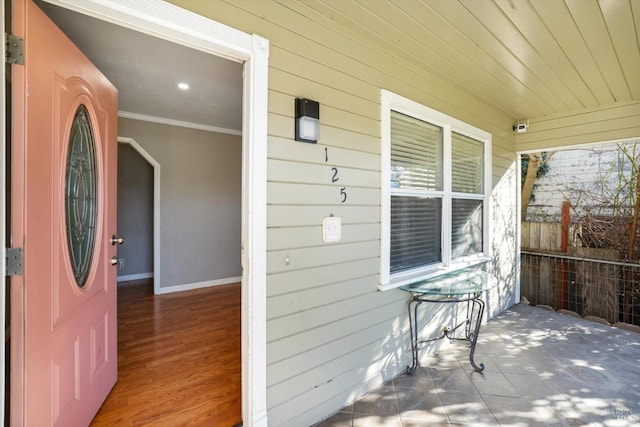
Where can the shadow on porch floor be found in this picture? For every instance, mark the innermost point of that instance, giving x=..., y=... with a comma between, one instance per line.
x=542, y=369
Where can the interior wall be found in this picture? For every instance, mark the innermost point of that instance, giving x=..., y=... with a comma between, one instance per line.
x=135, y=214
x=200, y=202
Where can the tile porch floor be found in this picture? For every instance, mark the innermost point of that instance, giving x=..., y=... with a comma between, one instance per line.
x=543, y=368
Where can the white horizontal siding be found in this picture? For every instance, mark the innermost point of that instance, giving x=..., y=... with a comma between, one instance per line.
x=582, y=176
x=324, y=194
x=313, y=318
x=294, y=216
x=299, y=258
x=346, y=371
x=331, y=334
x=604, y=124
x=343, y=324
x=289, y=282
x=325, y=173
x=300, y=237
x=291, y=303
x=348, y=156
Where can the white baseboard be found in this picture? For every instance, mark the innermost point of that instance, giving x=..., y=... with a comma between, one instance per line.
x=138, y=276
x=198, y=285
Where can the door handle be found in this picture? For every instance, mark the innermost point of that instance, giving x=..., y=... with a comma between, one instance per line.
x=117, y=240
x=114, y=260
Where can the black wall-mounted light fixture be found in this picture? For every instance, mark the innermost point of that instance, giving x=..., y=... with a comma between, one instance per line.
x=307, y=120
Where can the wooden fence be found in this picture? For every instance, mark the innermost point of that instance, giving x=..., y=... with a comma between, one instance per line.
x=584, y=280
x=541, y=236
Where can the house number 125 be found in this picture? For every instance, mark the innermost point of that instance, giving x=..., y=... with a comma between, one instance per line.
x=334, y=176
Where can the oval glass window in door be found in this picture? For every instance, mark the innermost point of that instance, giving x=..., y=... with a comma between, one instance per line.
x=81, y=195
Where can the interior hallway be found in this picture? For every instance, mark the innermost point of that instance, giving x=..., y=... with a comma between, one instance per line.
x=178, y=358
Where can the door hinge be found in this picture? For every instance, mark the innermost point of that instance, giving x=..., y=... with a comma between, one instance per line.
x=14, y=49
x=13, y=262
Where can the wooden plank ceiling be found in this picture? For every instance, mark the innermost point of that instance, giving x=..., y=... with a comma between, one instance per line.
x=529, y=58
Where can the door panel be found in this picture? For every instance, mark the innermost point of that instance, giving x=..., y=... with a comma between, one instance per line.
x=64, y=346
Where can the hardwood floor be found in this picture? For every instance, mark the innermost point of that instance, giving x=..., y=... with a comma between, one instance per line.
x=178, y=358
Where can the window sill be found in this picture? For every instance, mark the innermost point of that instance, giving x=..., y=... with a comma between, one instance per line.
x=435, y=272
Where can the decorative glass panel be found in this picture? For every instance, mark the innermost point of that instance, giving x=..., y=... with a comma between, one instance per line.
x=81, y=195
x=466, y=227
x=466, y=164
x=416, y=227
x=416, y=153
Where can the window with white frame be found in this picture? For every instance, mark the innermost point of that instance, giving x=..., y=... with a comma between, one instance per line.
x=436, y=182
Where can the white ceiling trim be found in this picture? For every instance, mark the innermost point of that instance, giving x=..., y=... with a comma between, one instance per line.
x=171, y=122
x=169, y=22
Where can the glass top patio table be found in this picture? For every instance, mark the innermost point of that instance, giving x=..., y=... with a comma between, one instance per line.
x=451, y=284
x=460, y=286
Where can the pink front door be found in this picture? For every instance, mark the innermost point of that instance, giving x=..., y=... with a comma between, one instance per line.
x=63, y=214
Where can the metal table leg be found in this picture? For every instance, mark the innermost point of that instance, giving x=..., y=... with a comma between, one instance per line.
x=474, y=337
x=413, y=329
x=475, y=311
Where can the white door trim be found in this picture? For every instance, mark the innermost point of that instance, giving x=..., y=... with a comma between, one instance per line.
x=169, y=22
x=156, y=207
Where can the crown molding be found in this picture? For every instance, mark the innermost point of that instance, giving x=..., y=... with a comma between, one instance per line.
x=171, y=122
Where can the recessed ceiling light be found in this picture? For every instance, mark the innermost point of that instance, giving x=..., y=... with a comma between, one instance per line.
x=183, y=86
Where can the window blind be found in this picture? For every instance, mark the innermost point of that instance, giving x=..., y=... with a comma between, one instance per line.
x=416, y=154
x=416, y=229
x=466, y=227
x=466, y=164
